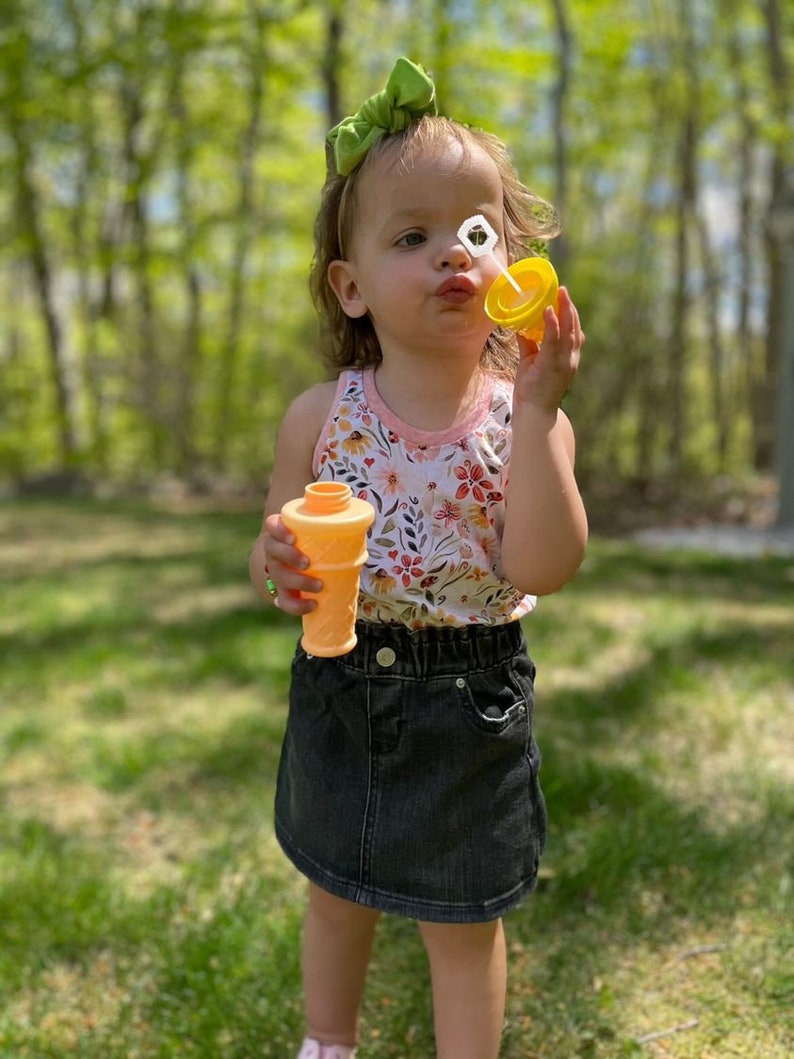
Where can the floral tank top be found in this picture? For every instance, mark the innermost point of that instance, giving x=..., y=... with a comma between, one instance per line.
x=434, y=547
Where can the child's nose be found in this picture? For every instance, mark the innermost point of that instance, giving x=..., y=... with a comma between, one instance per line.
x=454, y=255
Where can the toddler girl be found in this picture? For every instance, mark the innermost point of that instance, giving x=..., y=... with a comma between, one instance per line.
x=408, y=780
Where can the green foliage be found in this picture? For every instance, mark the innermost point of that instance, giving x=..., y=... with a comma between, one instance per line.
x=163, y=164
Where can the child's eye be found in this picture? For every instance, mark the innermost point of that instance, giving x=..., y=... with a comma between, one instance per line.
x=411, y=239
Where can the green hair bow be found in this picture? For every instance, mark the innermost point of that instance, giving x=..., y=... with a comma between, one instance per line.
x=409, y=95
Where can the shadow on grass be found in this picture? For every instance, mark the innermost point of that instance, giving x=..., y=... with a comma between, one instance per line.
x=612, y=565
x=213, y=975
x=632, y=872
x=231, y=643
x=628, y=862
x=56, y=901
x=680, y=662
x=169, y=769
x=629, y=833
x=617, y=835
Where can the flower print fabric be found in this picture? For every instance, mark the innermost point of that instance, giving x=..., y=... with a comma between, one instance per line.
x=434, y=548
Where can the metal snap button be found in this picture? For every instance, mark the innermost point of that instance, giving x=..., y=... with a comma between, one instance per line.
x=386, y=657
x=460, y=683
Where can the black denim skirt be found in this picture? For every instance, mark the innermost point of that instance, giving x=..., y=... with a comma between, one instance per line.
x=408, y=779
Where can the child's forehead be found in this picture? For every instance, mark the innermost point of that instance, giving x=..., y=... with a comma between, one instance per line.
x=410, y=169
x=443, y=152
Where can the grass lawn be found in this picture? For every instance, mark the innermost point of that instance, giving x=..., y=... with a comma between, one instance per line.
x=145, y=909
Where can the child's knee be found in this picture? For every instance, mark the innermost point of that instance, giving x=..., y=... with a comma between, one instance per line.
x=336, y=912
x=458, y=940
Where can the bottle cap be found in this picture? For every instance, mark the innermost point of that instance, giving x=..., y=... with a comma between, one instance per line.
x=325, y=498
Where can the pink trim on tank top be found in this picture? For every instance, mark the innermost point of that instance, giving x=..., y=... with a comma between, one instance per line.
x=429, y=438
x=413, y=435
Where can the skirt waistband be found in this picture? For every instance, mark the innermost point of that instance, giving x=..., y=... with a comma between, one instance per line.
x=396, y=651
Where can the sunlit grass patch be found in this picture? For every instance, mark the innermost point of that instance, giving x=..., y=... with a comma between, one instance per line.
x=146, y=910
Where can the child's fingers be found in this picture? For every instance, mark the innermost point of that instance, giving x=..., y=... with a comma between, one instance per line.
x=291, y=580
x=276, y=529
x=552, y=330
x=291, y=587
x=527, y=347
x=284, y=555
x=280, y=546
x=294, y=603
x=563, y=333
x=286, y=567
x=569, y=321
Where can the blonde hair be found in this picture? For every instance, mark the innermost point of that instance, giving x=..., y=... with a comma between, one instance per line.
x=349, y=342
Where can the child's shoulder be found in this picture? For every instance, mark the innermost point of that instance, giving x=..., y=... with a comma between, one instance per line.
x=300, y=429
x=312, y=407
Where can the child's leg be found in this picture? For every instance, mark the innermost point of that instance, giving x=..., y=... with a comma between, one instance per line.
x=337, y=940
x=468, y=969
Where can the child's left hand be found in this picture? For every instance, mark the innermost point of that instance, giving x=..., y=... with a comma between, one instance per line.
x=545, y=371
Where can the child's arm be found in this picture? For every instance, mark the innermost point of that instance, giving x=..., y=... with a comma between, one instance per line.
x=292, y=470
x=545, y=530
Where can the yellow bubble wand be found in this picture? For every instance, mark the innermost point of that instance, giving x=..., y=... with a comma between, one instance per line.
x=518, y=298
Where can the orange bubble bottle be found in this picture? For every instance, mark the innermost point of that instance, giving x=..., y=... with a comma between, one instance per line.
x=330, y=527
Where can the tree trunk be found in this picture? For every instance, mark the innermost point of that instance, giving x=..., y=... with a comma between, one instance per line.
x=334, y=32
x=559, y=247
x=28, y=216
x=748, y=221
x=780, y=245
x=783, y=221
x=190, y=359
x=443, y=25
x=711, y=300
x=685, y=211
x=244, y=228
x=86, y=192
x=150, y=379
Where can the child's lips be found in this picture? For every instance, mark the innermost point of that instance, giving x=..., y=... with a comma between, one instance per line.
x=457, y=289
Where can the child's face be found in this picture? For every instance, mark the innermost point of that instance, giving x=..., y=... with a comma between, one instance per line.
x=406, y=266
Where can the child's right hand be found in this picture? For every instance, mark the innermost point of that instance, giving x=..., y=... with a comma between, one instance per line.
x=286, y=567
x=546, y=369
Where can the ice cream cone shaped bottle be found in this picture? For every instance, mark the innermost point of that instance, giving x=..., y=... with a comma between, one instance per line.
x=330, y=527
x=523, y=310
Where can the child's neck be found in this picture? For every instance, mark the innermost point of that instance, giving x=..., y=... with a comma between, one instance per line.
x=434, y=397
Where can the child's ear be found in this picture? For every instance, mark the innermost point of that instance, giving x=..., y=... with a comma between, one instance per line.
x=342, y=278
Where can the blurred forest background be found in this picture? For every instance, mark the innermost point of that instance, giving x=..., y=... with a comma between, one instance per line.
x=161, y=164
